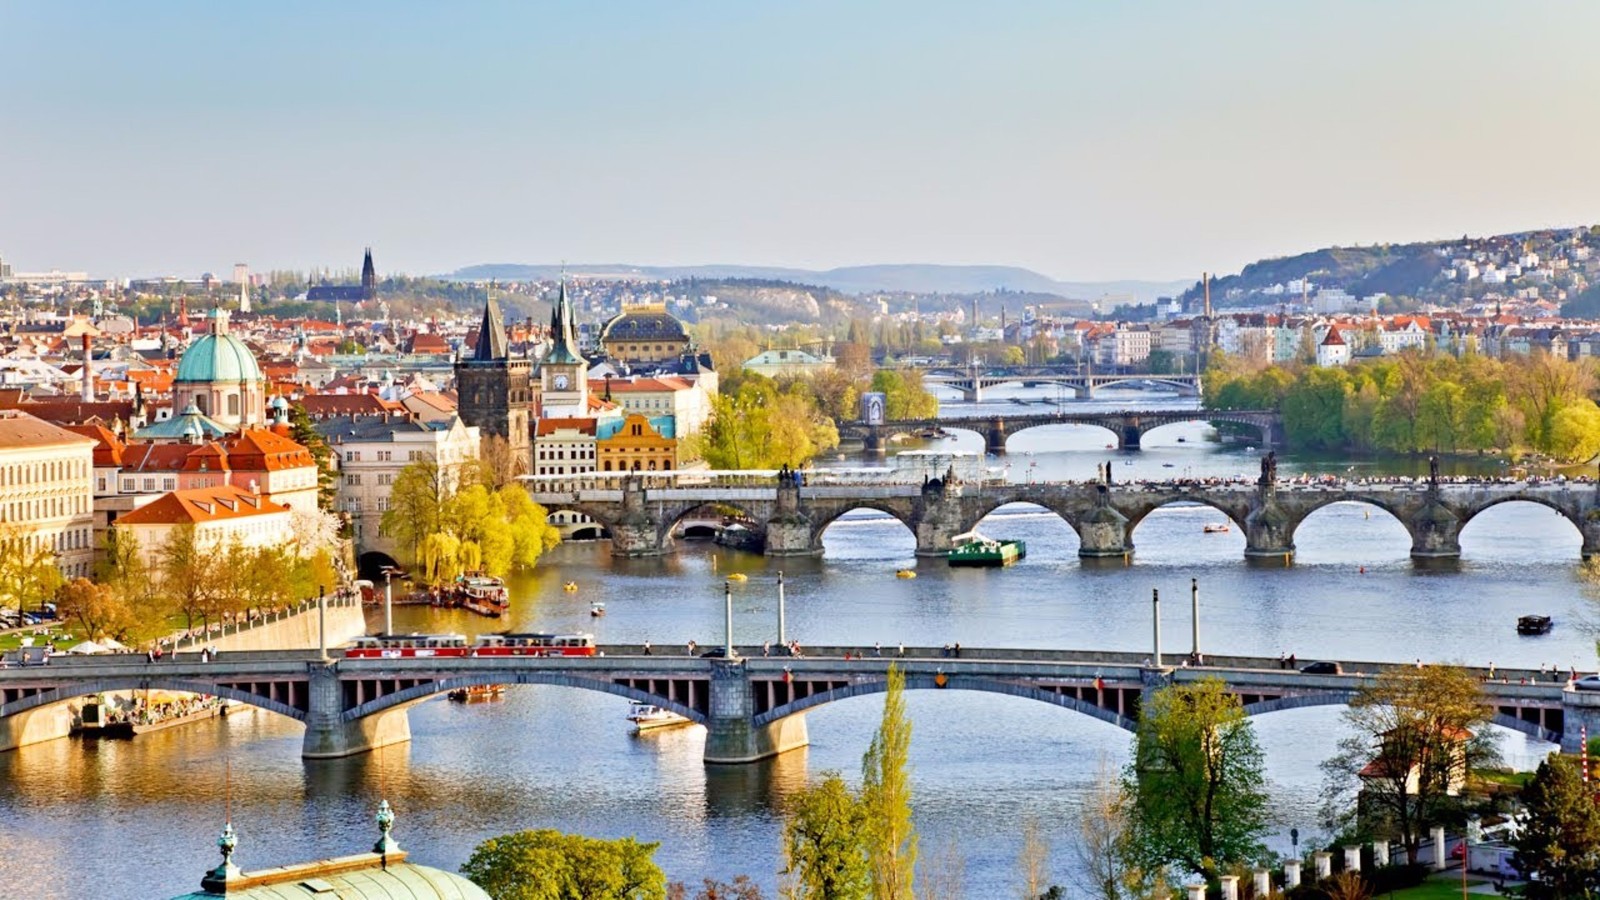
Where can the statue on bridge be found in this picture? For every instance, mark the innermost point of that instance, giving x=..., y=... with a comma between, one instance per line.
x=1433, y=471
x=1269, y=469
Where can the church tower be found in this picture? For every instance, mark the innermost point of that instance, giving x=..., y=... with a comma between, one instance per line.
x=563, y=373
x=369, y=277
x=493, y=390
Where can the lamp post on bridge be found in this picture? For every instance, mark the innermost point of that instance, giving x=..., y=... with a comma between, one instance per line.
x=322, y=622
x=782, y=639
x=727, y=605
x=1155, y=601
x=1194, y=603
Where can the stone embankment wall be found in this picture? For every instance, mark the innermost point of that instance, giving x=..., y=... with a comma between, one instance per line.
x=295, y=629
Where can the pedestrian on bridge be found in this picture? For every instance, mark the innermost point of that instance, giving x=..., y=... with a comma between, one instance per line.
x=691, y=648
x=646, y=648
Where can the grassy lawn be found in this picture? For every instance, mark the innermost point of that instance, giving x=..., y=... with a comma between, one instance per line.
x=1434, y=889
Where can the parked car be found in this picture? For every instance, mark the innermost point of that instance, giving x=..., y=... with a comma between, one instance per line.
x=715, y=653
x=1322, y=668
x=1587, y=683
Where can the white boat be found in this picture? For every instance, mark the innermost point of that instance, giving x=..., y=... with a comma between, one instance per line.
x=648, y=717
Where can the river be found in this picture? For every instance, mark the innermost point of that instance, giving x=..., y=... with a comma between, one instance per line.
x=139, y=818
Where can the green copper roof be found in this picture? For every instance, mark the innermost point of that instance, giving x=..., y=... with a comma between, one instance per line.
x=218, y=357
x=189, y=424
x=400, y=881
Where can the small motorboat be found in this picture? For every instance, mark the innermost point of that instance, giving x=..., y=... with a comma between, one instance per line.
x=1169, y=465
x=597, y=609
x=738, y=576
x=905, y=573
x=477, y=693
x=1183, y=440
x=570, y=587
x=649, y=717
x=1533, y=625
x=1216, y=528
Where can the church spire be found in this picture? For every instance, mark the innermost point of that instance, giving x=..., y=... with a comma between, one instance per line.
x=563, y=331
x=491, y=335
x=369, y=277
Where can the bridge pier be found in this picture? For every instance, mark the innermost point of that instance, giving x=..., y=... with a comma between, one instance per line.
x=873, y=444
x=994, y=438
x=329, y=735
x=35, y=726
x=1130, y=437
x=789, y=531
x=1435, y=532
x=1268, y=531
x=939, y=520
x=1103, y=532
x=636, y=532
x=972, y=394
x=1580, y=714
x=732, y=737
x=1591, y=534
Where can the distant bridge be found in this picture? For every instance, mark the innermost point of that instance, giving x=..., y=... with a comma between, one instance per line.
x=752, y=707
x=972, y=380
x=1127, y=426
x=641, y=512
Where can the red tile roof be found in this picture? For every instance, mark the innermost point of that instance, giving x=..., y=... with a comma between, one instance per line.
x=198, y=505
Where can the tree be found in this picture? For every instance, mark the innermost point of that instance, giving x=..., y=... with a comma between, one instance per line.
x=941, y=874
x=548, y=865
x=305, y=435
x=1560, y=835
x=1033, y=861
x=741, y=888
x=1574, y=434
x=96, y=607
x=1106, y=865
x=1416, y=733
x=764, y=427
x=1196, y=781
x=189, y=573
x=497, y=465
x=416, y=506
x=28, y=572
x=1013, y=355
x=824, y=843
x=886, y=797
x=122, y=568
x=905, y=397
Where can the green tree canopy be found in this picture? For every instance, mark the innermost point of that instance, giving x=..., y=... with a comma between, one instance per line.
x=548, y=865
x=1196, y=782
x=1560, y=836
x=1415, y=734
x=824, y=844
x=886, y=797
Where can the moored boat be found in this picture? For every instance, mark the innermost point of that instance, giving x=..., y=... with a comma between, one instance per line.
x=1216, y=528
x=649, y=717
x=987, y=553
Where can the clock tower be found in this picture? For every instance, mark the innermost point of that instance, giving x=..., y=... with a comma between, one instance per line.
x=492, y=388
x=563, y=373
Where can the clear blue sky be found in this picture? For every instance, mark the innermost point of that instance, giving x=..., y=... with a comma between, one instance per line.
x=1086, y=140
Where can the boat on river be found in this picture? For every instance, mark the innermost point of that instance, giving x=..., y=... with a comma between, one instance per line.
x=1216, y=528
x=649, y=717
x=478, y=693
x=1533, y=625
x=982, y=552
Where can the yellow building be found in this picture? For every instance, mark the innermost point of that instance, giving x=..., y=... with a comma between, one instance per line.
x=47, y=492
x=638, y=446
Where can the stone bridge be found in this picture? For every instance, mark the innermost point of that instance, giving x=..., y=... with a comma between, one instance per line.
x=972, y=381
x=1127, y=427
x=752, y=706
x=791, y=513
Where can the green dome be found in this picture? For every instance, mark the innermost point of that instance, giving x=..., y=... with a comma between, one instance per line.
x=218, y=357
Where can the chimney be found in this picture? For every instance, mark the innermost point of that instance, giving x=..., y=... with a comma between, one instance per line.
x=1205, y=279
x=88, y=373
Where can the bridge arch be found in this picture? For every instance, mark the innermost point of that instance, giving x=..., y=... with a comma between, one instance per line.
x=372, y=564
x=1136, y=518
x=418, y=693
x=925, y=681
x=1470, y=515
x=1383, y=547
x=79, y=689
x=1023, y=504
x=1343, y=698
x=1203, y=417
x=672, y=516
x=1087, y=436
x=827, y=518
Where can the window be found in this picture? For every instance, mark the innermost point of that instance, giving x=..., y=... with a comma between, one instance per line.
x=384, y=455
x=385, y=479
x=233, y=404
x=352, y=456
x=383, y=504
x=352, y=480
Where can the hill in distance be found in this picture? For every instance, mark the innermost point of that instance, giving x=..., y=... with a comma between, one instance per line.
x=913, y=278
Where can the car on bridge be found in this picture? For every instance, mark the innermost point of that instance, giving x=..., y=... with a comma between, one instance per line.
x=1587, y=683
x=1322, y=668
